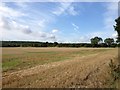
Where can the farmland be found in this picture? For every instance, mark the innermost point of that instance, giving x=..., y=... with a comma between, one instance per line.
x=57, y=67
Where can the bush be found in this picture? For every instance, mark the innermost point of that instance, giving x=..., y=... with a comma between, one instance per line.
x=115, y=70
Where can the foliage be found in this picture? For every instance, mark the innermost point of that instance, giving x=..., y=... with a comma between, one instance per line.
x=95, y=41
x=117, y=28
x=109, y=41
x=49, y=44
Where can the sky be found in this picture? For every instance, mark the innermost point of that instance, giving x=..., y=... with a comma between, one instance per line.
x=66, y=22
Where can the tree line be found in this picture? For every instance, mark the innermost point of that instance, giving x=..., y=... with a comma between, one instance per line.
x=95, y=42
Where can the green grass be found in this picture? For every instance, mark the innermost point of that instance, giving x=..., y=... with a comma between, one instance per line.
x=10, y=65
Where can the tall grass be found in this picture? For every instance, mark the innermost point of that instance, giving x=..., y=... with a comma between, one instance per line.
x=115, y=72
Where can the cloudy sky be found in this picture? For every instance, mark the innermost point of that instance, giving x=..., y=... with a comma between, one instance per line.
x=57, y=21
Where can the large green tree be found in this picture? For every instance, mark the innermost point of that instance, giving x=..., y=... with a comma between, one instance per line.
x=117, y=28
x=95, y=41
x=109, y=41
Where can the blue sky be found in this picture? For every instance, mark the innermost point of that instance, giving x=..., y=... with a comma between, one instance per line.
x=57, y=21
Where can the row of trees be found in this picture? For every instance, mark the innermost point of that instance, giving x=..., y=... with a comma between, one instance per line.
x=95, y=42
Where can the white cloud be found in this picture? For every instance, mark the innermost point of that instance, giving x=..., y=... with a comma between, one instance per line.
x=22, y=32
x=109, y=19
x=61, y=8
x=52, y=36
x=25, y=29
x=93, y=34
x=42, y=23
x=110, y=15
x=41, y=34
x=114, y=35
x=76, y=28
x=84, y=39
x=21, y=4
x=4, y=24
x=14, y=28
x=54, y=30
x=78, y=39
x=71, y=10
x=9, y=12
x=65, y=7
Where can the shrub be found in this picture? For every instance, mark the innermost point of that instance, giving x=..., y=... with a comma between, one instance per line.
x=115, y=70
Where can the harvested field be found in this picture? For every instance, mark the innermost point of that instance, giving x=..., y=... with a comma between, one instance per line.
x=57, y=67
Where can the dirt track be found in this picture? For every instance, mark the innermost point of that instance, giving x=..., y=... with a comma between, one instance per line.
x=89, y=72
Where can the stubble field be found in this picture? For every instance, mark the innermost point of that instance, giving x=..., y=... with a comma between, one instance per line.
x=57, y=67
